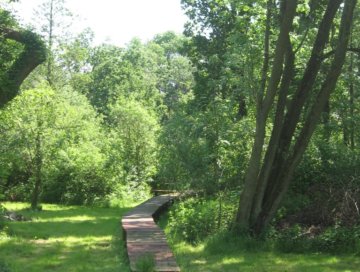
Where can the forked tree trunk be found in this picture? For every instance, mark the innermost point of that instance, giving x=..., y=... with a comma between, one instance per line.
x=263, y=108
x=267, y=180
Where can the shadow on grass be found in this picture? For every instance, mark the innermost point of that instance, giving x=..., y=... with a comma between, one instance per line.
x=263, y=261
x=68, y=239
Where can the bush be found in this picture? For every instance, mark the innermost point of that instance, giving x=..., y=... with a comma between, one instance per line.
x=192, y=220
x=333, y=240
x=291, y=240
x=337, y=240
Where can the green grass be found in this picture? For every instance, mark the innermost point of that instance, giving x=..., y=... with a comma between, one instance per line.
x=227, y=253
x=65, y=238
x=197, y=258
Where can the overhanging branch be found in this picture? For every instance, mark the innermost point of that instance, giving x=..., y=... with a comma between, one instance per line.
x=34, y=54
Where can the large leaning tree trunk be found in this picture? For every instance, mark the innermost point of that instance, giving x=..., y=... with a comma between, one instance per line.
x=33, y=54
x=269, y=173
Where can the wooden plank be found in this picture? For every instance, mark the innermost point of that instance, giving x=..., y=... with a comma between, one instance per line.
x=144, y=237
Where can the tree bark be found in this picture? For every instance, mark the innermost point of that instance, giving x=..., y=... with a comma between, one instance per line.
x=264, y=106
x=351, y=104
x=50, y=59
x=263, y=178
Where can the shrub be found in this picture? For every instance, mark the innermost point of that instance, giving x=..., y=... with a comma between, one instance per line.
x=337, y=240
x=192, y=220
x=291, y=240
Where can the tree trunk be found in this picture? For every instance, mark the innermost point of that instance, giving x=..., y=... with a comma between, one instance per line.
x=50, y=59
x=351, y=103
x=263, y=109
x=272, y=200
x=37, y=170
x=267, y=181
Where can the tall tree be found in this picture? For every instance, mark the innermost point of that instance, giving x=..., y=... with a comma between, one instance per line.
x=53, y=20
x=268, y=177
x=211, y=28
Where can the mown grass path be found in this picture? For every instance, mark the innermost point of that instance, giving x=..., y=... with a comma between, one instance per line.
x=65, y=238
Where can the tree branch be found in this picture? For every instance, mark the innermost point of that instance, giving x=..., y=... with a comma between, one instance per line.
x=34, y=54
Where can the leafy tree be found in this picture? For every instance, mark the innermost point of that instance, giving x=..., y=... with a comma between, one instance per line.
x=202, y=150
x=214, y=50
x=175, y=73
x=52, y=17
x=134, y=132
x=153, y=73
x=52, y=145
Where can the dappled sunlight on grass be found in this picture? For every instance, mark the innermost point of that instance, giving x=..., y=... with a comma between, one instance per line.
x=227, y=260
x=62, y=238
x=227, y=252
x=198, y=258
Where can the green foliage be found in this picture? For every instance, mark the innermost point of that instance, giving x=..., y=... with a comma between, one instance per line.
x=134, y=133
x=326, y=186
x=229, y=251
x=126, y=73
x=194, y=219
x=335, y=240
x=70, y=147
x=204, y=150
x=123, y=195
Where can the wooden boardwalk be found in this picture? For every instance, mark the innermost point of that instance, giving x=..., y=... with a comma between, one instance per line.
x=145, y=238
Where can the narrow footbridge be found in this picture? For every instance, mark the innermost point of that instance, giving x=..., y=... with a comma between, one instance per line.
x=145, y=238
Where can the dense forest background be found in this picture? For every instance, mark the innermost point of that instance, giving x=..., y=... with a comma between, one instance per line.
x=257, y=102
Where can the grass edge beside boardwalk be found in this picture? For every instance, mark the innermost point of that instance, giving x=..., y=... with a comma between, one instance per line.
x=65, y=238
x=232, y=254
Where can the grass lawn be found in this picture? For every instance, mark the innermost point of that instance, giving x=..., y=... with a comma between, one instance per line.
x=65, y=238
x=231, y=254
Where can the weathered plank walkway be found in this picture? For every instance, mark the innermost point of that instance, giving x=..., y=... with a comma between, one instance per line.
x=144, y=237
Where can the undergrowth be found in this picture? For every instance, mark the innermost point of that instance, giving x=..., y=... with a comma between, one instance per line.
x=199, y=222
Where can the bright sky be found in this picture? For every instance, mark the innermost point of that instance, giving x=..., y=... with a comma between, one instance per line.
x=118, y=21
